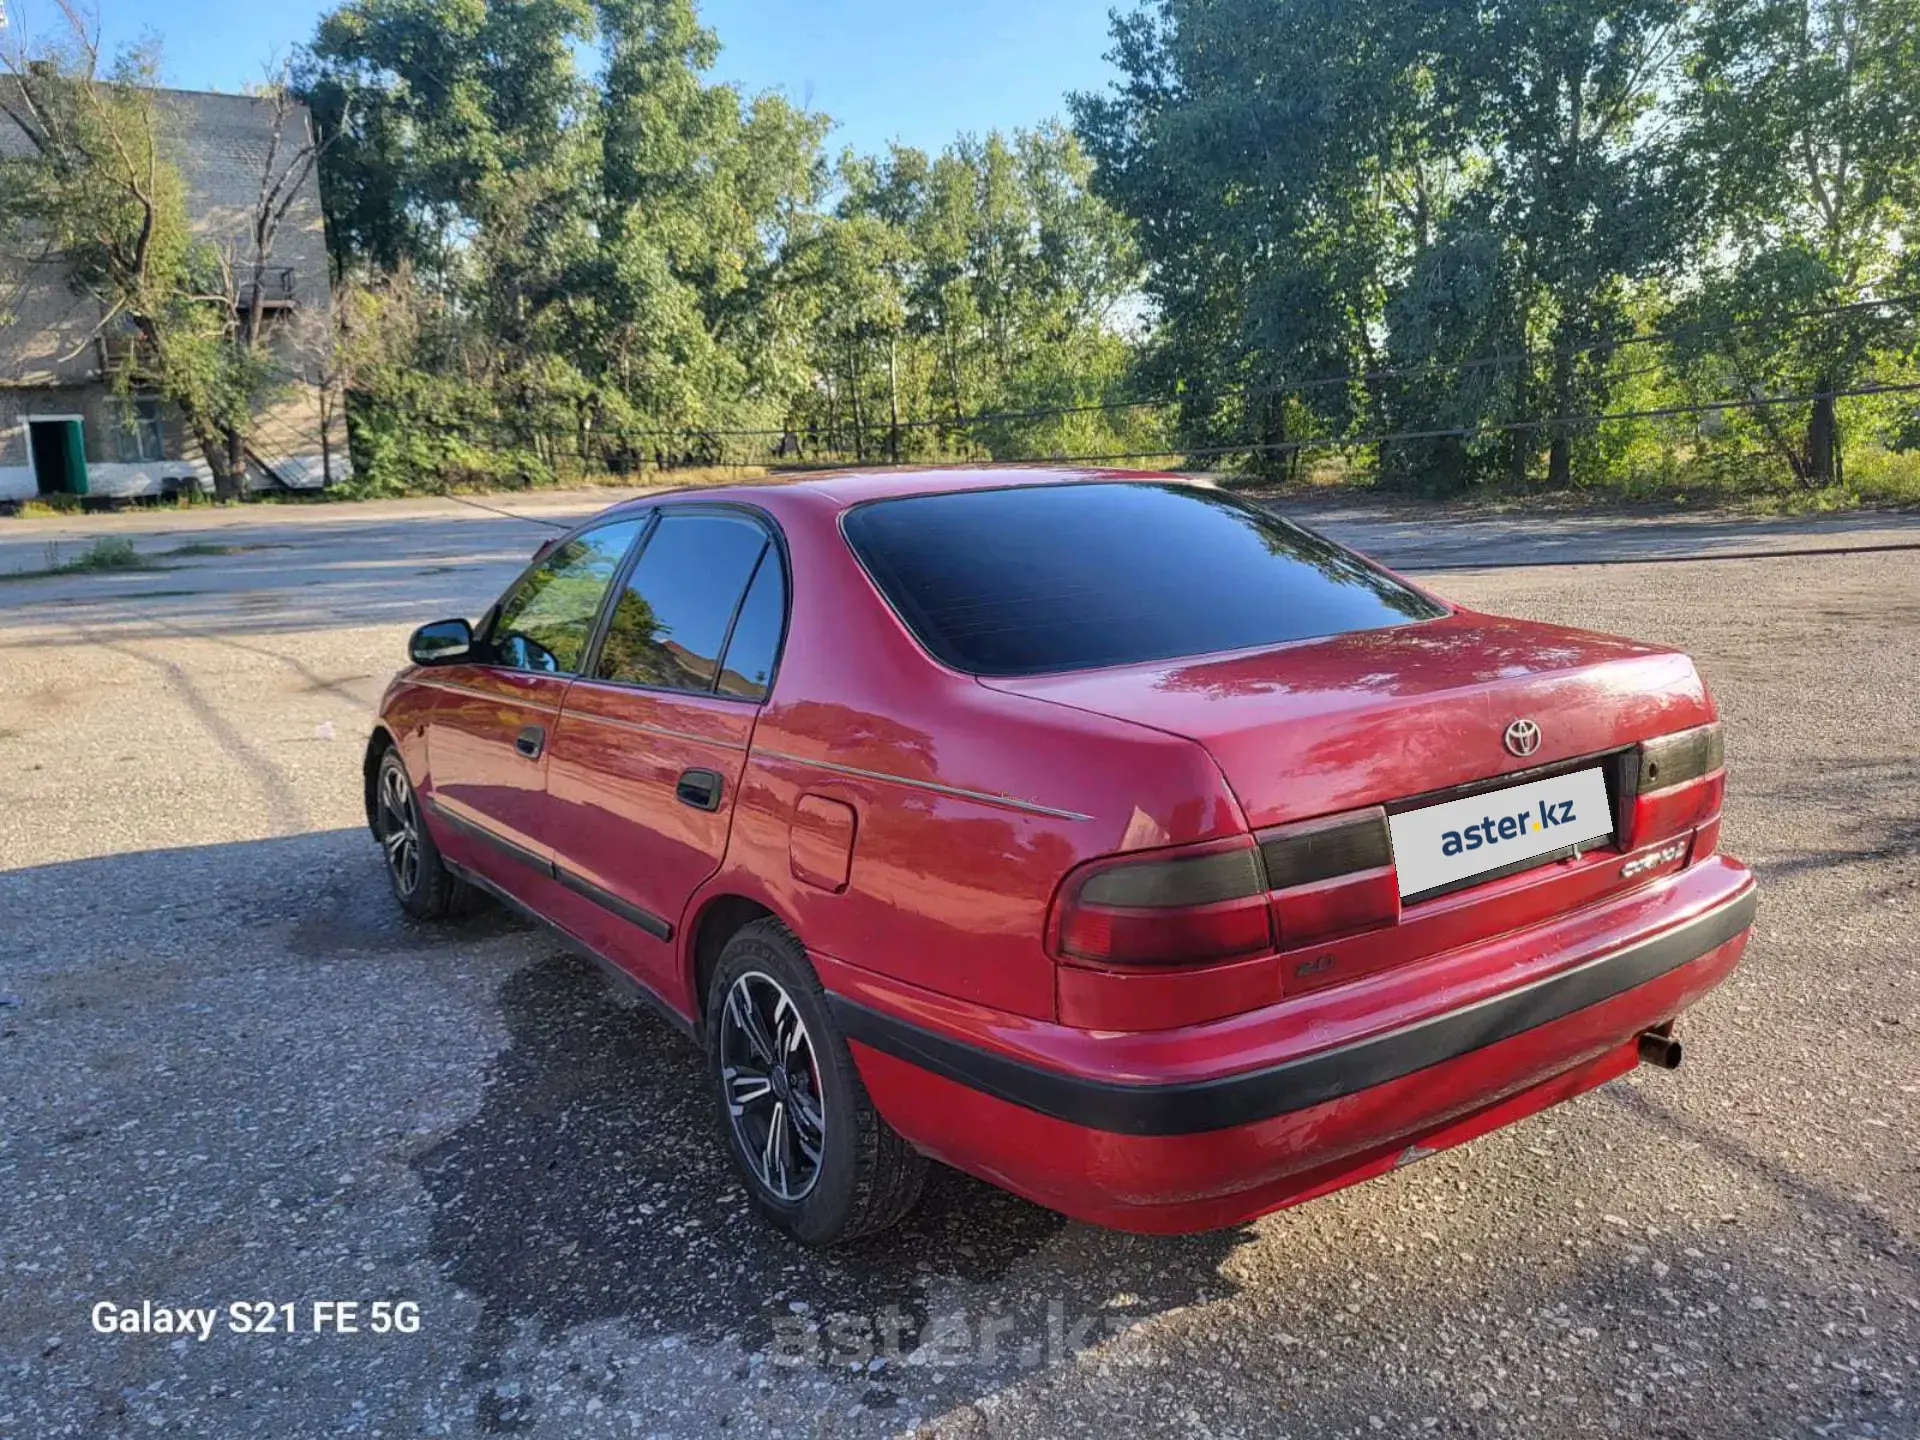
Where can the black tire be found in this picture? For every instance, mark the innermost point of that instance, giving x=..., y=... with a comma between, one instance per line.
x=865, y=1178
x=421, y=881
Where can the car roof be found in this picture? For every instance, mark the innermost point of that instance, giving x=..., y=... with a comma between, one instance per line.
x=835, y=490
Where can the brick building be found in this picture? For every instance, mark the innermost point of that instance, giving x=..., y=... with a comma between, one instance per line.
x=62, y=427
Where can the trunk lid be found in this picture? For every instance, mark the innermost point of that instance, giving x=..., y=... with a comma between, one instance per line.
x=1403, y=718
x=1380, y=716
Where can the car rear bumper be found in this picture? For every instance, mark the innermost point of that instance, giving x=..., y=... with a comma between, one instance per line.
x=1210, y=1124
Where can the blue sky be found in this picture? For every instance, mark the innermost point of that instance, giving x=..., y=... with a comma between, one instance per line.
x=915, y=70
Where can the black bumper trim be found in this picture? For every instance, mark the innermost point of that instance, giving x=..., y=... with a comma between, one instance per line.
x=607, y=900
x=633, y=914
x=1191, y=1107
x=473, y=829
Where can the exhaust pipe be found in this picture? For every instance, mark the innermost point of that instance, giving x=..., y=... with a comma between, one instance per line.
x=1658, y=1047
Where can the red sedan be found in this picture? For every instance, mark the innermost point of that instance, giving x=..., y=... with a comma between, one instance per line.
x=1103, y=835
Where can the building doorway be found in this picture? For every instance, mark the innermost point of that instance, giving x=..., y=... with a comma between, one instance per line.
x=57, y=449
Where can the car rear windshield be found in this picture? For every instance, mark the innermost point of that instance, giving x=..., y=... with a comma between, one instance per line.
x=1038, y=579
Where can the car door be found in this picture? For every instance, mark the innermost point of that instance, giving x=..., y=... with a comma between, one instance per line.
x=650, y=743
x=491, y=727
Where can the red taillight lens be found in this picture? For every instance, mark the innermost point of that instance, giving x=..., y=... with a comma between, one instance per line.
x=1679, y=809
x=1167, y=908
x=1339, y=906
x=1332, y=875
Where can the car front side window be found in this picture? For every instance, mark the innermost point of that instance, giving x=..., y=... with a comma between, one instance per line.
x=544, y=624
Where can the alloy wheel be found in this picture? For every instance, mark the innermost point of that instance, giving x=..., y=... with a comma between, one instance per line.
x=399, y=829
x=771, y=1080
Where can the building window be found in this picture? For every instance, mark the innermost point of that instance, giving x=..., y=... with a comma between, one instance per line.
x=138, y=433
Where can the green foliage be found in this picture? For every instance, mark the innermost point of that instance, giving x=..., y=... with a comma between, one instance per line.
x=106, y=553
x=1414, y=242
x=985, y=281
x=1475, y=204
x=1812, y=111
x=43, y=507
x=552, y=271
x=1325, y=189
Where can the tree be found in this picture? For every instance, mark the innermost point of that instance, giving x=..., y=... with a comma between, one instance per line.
x=698, y=194
x=1324, y=187
x=1812, y=109
x=863, y=314
x=989, y=279
x=616, y=238
x=1590, y=189
x=1262, y=150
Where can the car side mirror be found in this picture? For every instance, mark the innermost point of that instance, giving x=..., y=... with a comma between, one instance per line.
x=441, y=643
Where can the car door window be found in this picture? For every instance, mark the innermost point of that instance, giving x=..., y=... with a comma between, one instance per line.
x=545, y=623
x=747, y=670
x=671, y=621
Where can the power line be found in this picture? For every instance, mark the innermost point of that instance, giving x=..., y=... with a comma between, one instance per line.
x=1685, y=332
x=1575, y=422
x=687, y=432
x=1338, y=442
x=503, y=514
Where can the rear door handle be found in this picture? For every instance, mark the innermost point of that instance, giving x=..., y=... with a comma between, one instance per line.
x=699, y=788
x=531, y=741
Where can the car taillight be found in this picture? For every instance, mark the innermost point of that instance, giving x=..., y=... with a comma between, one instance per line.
x=1675, y=759
x=1205, y=902
x=1331, y=876
x=1682, y=782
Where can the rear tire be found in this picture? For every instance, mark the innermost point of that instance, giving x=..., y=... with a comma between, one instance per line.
x=815, y=1155
x=421, y=881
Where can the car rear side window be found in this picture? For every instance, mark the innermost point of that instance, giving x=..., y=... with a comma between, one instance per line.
x=545, y=623
x=671, y=621
x=1047, y=578
x=748, y=669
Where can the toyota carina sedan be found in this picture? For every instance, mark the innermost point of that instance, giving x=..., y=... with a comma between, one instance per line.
x=1103, y=835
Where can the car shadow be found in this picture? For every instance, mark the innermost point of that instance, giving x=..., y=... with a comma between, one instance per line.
x=592, y=1184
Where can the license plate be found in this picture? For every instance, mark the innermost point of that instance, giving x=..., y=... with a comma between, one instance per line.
x=1441, y=845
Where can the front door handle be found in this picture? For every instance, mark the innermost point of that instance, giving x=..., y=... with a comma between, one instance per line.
x=699, y=788
x=531, y=741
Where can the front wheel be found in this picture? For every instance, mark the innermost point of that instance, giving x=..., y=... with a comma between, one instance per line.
x=422, y=883
x=816, y=1156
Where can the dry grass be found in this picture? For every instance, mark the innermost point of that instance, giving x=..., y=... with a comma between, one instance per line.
x=687, y=478
x=1754, y=484
x=46, y=507
x=107, y=553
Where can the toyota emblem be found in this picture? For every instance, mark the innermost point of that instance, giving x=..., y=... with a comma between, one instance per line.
x=1522, y=737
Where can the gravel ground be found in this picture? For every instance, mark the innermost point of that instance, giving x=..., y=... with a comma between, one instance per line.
x=228, y=1072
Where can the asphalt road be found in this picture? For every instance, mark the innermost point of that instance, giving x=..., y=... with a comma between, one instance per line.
x=228, y=1072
